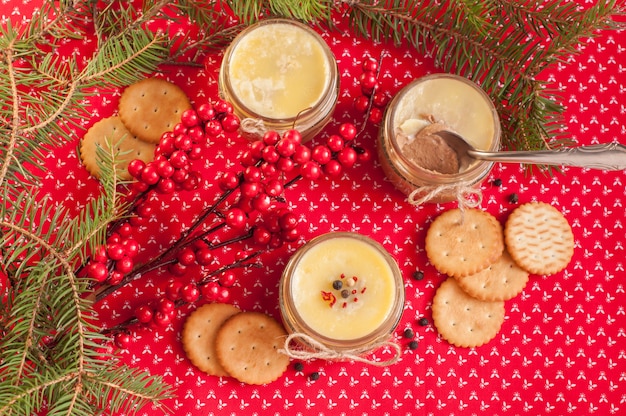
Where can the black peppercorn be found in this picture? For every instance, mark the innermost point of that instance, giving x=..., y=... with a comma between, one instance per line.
x=423, y=322
x=337, y=284
x=413, y=345
x=418, y=275
x=345, y=293
x=298, y=366
x=497, y=182
x=513, y=198
x=408, y=333
x=314, y=376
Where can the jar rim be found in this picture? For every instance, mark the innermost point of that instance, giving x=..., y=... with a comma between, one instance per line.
x=294, y=322
x=304, y=115
x=473, y=173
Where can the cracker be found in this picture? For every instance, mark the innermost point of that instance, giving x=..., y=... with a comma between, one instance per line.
x=152, y=107
x=462, y=320
x=461, y=243
x=112, y=130
x=247, y=346
x=198, y=336
x=539, y=238
x=502, y=280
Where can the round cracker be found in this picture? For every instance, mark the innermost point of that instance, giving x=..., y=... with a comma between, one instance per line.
x=198, y=336
x=462, y=320
x=152, y=107
x=502, y=280
x=247, y=346
x=461, y=243
x=539, y=238
x=129, y=147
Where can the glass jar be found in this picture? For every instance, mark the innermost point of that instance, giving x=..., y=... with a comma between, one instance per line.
x=461, y=105
x=343, y=290
x=283, y=74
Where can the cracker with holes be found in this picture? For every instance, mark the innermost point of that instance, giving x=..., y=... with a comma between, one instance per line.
x=502, y=280
x=461, y=243
x=247, y=346
x=129, y=147
x=539, y=238
x=152, y=107
x=463, y=320
x=199, y=332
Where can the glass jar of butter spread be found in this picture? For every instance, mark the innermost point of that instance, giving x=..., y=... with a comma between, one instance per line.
x=444, y=100
x=343, y=290
x=280, y=74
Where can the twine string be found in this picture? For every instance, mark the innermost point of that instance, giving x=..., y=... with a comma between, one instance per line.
x=253, y=126
x=321, y=351
x=465, y=194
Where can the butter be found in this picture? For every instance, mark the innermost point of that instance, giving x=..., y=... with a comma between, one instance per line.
x=372, y=295
x=278, y=70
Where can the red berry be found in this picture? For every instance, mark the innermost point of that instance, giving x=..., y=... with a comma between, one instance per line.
x=293, y=135
x=230, y=123
x=333, y=168
x=370, y=65
x=270, y=154
x=178, y=129
x=192, y=181
x=269, y=170
x=166, y=305
x=213, y=128
x=144, y=314
x=229, y=180
x=262, y=202
x=166, y=146
x=186, y=256
x=228, y=279
x=149, y=175
x=302, y=154
x=166, y=186
x=115, y=277
x=180, y=175
x=236, y=218
x=270, y=138
x=261, y=235
x=250, y=189
x=290, y=235
x=97, y=271
x=131, y=247
x=288, y=221
x=222, y=106
x=286, y=147
x=274, y=188
x=285, y=164
x=223, y=295
x=361, y=103
x=189, y=118
x=122, y=340
x=179, y=159
x=368, y=80
x=177, y=269
x=347, y=157
x=115, y=251
x=334, y=142
x=183, y=142
x=206, y=112
x=364, y=154
x=381, y=99
x=375, y=116
x=190, y=293
x=347, y=131
x=321, y=154
x=311, y=170
x=252, y=174
x=196, y=133
x=162, y=319
x=135, y=167
x=210, y=290
x=124, y=265
x=125, y=229
x=204, y=256
x=100, y=255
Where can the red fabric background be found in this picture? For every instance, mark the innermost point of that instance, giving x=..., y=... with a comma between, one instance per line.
x=561, y=349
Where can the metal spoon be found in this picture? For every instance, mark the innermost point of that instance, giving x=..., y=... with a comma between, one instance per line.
x=606, y=156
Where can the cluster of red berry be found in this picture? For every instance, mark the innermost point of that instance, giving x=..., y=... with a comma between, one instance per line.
x=252, y=205
x=372, y=100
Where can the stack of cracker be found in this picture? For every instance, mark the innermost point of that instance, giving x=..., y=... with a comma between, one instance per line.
x=147, y=109
x=487, y=265
x=221, y=341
